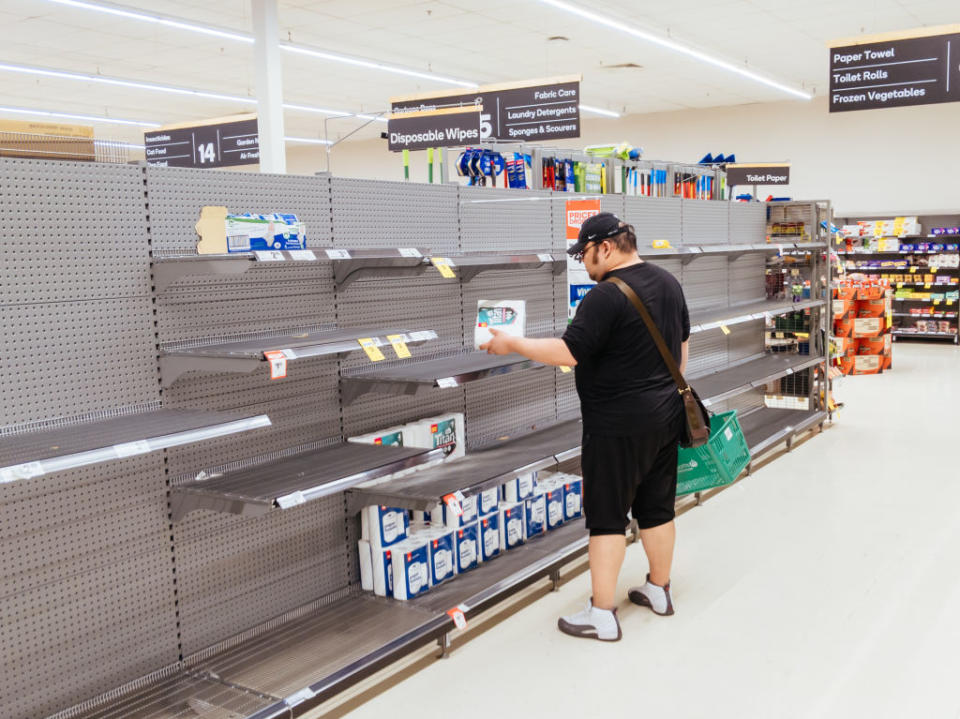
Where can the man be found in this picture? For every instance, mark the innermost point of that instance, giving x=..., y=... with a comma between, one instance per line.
x=632, y=415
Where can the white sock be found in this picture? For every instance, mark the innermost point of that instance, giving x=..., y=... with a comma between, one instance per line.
x=657, y=596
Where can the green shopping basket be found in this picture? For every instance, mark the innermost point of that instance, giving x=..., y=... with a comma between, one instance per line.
x=719, y=461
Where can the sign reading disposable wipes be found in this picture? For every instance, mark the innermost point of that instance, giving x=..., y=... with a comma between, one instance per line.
x=509, y=316
x=440, y=128
x=217, y=144
x=524, y=111
x=895, y=70
x=758, y=174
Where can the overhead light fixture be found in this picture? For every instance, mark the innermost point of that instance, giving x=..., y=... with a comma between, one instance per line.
x=599, y=111
x=132, y=14
x=675, y=46
x=308, y=140
x=72, y=116
x=334, y=113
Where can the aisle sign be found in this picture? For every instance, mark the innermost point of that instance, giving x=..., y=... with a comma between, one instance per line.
x=524, y=111
x=915, y=67
x=450, y=127
x=218, y=143
x=758, y=173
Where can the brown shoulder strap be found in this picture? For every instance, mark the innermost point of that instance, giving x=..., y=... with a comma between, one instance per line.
x=654, y=332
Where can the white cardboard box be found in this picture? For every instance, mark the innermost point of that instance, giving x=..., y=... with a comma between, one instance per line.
x=513, y=530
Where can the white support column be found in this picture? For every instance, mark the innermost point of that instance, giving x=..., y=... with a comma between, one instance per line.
x=268, y=74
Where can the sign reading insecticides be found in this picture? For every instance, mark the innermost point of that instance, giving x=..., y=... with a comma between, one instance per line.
x=523, y=111
x=434, y=128
x=760, y=173
x=919, y=67
x=219, y=143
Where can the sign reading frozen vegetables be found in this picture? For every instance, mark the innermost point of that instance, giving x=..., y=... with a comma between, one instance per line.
x=219, y=143
x=523, y=111
x=919, y=67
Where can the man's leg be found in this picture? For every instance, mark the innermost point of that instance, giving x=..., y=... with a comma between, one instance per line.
x=606, y=557
x=658, y=544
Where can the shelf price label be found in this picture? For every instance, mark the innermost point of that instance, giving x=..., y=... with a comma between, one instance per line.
x=725, y=329
x=409, y=252
x=338, y=254
x=372, y=348
x=269, y=256
x=307, y=255
x=458, y=617
x=443, y=266
x=913, y=269
x=446, y=382
x=130, y=449
x=278, y=363
x=564, y=369
x=294, y=499
x=399, y=346
x=660, y=244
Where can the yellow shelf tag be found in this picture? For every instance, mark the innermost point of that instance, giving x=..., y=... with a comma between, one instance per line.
x=370, y=347
x=443, y=266
x=936, y=302
x=564, y=368
x=926, y=286
x=725, y=329
x=399, y=346
x=661, y=244
x=913, y=269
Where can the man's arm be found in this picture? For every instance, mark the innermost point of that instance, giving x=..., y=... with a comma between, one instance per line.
x=551, y=351
x=684, y=356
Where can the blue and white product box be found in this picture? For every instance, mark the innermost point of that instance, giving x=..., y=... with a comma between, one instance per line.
x=489, y=537
x=441, y=546
x=555, y=507
x=468, y=513
x=467, y=547
x=376, y=570
x=535, y=515
x=572, y=498
x=383, y=526
x=513, y=531
x=488, y=501
x=434, y=514
x=519, y=489
x=275, y=231
x=411, y=573
x=443, y=431
x=390, y=437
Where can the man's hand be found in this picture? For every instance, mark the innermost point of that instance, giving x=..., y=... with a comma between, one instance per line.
x=500, y=344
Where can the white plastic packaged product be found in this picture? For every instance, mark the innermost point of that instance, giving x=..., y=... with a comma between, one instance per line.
x=442, y=431
x=467, y=547
x=519, y=489
x=441, y=547
x=535, y=515
x=513, y=531
x=489, y=537
x=376, y=569
x=390, y=437
x=572, y=498
x=488, y=501
x=468, y=512
x=383, y=526
x=411, y=574
x=555, y=507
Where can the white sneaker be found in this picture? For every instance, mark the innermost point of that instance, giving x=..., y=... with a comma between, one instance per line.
x=592, y=623
x=653, y=596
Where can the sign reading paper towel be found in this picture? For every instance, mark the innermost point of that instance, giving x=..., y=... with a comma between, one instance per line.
x=509, y=316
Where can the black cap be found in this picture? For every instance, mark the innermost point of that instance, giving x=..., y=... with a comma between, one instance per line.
x=596, y=229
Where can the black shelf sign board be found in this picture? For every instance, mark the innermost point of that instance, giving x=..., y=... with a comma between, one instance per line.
x=215, y=145
x=439, y=128
x=895, y=73
x=758, y=174
x=548, y=110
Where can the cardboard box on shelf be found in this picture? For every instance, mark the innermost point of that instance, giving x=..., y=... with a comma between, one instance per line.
x=873, y=308
x=867, y=364
x=869, y=326
x=874, y=345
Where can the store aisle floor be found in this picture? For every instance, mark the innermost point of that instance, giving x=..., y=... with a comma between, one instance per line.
x=825, y=585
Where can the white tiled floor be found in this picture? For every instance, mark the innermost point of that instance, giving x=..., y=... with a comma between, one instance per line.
x=826, y=585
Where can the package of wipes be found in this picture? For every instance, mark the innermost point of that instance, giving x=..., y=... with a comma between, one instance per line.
x=383, y=526
x=513, y=531
x=489, y=537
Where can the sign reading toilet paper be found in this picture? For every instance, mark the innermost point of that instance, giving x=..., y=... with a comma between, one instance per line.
x=509, y=316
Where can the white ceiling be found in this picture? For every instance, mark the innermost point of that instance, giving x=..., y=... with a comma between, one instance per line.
x=492, y=41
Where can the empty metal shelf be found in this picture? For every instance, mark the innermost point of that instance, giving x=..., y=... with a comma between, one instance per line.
x=709, y=319
x=765, y=427
x=413, y=377
x=294, y=480
x=726, y=383
x=247, y=355
x=469, y=266
x=169, y=269
x=33, y=454
x=472, y=473
x=348, y=265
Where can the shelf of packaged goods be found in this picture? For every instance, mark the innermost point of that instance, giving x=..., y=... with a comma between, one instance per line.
x=410, y=378
x=896, y=253
x=935, y=315
x=36, y=453
x=765, y=427
x=927, y=300
x=926, y=284
x=475, y=472
x=293, y=666
x=905, y=270
x=172, y=268
x=703, y=320
x=945, y=335
x=247, y=355
x=468, y=266
x=722, y=384
x=294, y=480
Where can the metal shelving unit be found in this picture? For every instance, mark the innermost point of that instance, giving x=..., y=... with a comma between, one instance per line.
x=724, y=384
x=248, y=355
x=704, y=320
x=170, y=269
x=767, y=427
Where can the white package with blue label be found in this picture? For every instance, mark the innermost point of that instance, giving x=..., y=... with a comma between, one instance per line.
x=513, y=531
x=444, y=431
x=383, y=526
x=488, y=501
x=467, y=547
x=519, y=489
x=376, y=570
x=535, y=515
x=572, y=497
x=411, y=574
x=489, y=537
x=468, y=512
x=440, y=545
x=555, y=504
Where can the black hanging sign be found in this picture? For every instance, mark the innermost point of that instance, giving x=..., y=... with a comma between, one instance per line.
x=438, y=128
x=217, y=144
x=760, y=173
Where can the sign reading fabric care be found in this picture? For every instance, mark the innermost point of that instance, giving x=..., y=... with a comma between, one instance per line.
x=437, y=128
x=896, y=70
x=219, y=143
x=526, y=111
x=761, y=173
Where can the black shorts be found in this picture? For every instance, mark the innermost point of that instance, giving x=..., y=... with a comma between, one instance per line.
x=637, y=474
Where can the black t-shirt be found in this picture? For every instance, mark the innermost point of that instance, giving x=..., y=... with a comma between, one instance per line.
x=624, y=385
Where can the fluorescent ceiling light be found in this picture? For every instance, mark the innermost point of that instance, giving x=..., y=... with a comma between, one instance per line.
x=599, y=111
x=308, y=140
x=675, y=46
x=132, y=14
x=334, y=113
x=70, y=116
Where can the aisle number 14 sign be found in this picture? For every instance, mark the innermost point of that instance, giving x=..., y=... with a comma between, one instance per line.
x=217, y=143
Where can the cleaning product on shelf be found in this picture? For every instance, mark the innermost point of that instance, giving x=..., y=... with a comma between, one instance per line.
x=513, y=530
x=411, y=573
x=376, y=569
x=383, y=526
x=489, y=528
x=467, y=547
